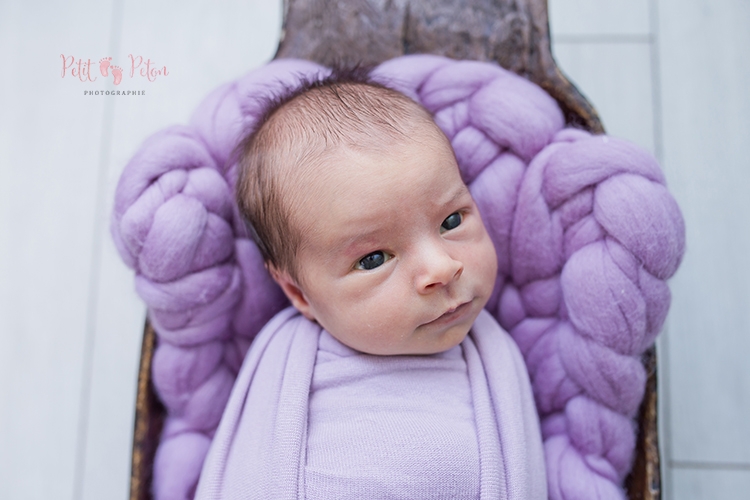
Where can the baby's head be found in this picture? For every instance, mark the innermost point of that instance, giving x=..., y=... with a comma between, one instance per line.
x=357, y=204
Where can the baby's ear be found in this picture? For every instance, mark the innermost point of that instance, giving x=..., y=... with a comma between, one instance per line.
x=292, y=291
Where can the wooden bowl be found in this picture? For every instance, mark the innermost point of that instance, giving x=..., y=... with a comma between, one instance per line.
x=513, y=33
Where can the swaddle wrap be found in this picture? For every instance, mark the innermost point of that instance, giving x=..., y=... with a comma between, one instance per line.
x=259, y=448
x=423, y=403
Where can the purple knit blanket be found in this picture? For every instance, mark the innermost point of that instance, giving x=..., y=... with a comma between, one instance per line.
x=585, y=230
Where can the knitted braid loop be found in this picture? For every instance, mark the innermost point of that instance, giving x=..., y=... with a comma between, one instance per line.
x=585, y=231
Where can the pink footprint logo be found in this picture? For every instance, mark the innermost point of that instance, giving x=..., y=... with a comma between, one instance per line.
x=104, y=65
x=117, y=73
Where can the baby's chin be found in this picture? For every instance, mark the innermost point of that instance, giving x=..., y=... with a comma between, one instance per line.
x=419, y=346
x=448, y=340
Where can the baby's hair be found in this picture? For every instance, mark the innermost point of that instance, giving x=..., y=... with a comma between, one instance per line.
x=298, y=131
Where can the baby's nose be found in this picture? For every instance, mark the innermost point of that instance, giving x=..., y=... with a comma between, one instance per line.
x=439, y=269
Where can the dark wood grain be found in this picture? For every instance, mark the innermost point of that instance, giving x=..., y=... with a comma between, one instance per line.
x=149, y=420
x=644, y=481
x=513, y=33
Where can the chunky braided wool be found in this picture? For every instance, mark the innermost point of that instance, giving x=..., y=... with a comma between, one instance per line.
x=585, y=230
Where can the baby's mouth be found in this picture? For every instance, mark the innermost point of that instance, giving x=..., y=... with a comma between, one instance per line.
x=451, y=314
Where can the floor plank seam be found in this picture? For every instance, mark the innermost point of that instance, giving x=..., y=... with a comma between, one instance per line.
x=700, y=465
x=603, y=38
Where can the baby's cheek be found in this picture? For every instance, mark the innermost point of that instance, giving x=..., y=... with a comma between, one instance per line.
x=392, y=317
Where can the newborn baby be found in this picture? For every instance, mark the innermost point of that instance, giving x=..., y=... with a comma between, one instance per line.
x=386, y=379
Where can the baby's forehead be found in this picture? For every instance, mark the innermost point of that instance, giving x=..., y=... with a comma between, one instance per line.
x=368, y=167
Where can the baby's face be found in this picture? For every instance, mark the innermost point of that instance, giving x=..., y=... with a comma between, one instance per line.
x=397, y=260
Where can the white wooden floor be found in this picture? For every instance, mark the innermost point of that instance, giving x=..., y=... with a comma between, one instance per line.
x=670, y=75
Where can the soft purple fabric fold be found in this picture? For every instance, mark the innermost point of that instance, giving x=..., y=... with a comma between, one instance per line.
x=259, y=448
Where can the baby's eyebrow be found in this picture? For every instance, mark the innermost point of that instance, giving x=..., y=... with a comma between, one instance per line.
x=356, y=245
x=459, y=193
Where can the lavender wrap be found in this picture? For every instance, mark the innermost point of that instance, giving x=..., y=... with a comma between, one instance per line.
x=259, y=448
x=585, y=231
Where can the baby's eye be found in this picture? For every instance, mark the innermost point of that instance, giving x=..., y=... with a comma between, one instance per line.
x=372, y=260
x=451, y=222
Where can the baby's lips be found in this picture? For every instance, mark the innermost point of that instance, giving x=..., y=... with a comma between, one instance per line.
x=450, y=312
